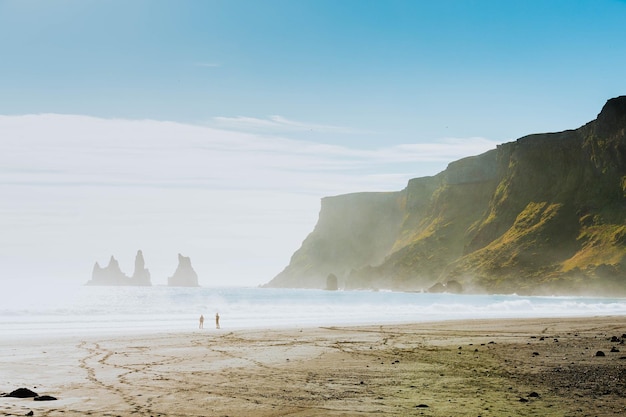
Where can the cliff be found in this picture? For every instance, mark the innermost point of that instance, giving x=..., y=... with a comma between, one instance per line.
x=337, y=245
x=184, y=276
x=113, y=275
x=545, y=214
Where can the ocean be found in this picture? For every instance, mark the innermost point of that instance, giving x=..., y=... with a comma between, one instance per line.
x=75, y=309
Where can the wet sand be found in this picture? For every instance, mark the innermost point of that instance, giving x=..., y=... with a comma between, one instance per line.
x=529, y=367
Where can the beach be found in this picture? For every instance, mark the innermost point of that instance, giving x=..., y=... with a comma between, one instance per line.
x=499, y=367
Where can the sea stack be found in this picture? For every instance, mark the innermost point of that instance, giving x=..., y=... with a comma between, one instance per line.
x=141, y=276
x=109, y=275
x=332, y=282
x=184, y=276
x=112, y=274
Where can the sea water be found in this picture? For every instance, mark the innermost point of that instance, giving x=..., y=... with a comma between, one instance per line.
x=74, y=309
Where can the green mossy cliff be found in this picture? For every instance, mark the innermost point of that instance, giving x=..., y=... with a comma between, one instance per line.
x=545, y=214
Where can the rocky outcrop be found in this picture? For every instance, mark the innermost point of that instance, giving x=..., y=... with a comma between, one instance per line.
x=45, y=398
x=141, y=275
x=113, y=275
x=332, y=284
x=545, y=214
x=109, y=275
x=23, y=393
x=184, y=276
x=27, y=393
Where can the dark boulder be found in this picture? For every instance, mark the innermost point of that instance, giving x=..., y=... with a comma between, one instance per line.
x=45, y=398
x=332, y=283
x=23, y=393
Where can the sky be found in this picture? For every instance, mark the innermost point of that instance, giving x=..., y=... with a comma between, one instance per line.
x=214, y=128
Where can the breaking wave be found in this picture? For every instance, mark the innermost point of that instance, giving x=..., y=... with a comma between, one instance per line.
x=71, y=310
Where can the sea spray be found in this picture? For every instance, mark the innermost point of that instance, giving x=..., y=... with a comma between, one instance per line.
x=54, y=310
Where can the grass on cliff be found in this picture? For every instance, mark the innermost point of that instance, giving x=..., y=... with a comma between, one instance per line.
x=601, y=244
x=540, y=237
x=532, y=230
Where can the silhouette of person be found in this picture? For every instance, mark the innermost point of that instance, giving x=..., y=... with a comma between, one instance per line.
x=201, y=321
x=217, y=320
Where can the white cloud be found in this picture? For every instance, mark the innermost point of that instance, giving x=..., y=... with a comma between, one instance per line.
x=278, y=124
x=62, y=149
x=77, y=189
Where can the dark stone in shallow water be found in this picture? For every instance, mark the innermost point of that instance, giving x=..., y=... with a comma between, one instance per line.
x=600, y=353
x=23, y=393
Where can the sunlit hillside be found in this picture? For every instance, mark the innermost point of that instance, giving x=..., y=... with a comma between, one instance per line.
x=545, y=214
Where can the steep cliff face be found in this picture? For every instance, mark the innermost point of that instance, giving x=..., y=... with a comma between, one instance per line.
x=353, y=230
x=556, y=221
x=543, y=214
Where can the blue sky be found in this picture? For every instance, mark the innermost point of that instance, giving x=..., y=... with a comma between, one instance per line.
x=406, y=70
x=302, y=99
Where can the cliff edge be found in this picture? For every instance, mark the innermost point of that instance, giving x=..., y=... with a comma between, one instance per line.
x=545, y=214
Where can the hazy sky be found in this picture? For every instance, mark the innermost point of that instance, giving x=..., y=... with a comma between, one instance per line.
x=213, y=128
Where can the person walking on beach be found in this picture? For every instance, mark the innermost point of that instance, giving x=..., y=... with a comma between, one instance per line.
x=201, y=321
x=217, y=320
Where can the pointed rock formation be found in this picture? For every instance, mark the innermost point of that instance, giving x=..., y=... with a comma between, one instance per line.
x=141, y=276
x=110, y=275
x=113, y=275
x=184, y=276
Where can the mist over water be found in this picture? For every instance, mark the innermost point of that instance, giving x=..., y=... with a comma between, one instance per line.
x=73, y=310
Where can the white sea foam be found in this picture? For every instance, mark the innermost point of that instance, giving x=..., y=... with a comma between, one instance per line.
x=53, y=310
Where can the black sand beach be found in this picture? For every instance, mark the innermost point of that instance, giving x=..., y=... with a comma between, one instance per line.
x=528, y=367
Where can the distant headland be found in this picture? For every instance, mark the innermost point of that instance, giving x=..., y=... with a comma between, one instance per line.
x=112, y=275
x=543, y=215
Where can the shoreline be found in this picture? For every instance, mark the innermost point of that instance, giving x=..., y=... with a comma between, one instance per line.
x=527, y=366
